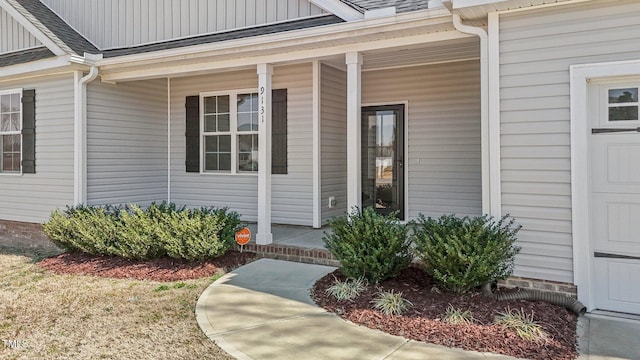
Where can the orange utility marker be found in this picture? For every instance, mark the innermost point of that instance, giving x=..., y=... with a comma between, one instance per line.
x=242, y=237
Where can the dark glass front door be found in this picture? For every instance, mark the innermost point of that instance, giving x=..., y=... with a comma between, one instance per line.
x=383, y=158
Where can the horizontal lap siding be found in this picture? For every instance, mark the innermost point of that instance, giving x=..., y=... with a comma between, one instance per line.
x=444, y=133
x=333, y=100
x=291, y=193
x=119, y=23
x=536, y=50
x=127, y=142
x=14, y=36
x=32, y=197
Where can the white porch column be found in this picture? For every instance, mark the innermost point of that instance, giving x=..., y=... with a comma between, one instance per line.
x=354, y=114
x=264, y=235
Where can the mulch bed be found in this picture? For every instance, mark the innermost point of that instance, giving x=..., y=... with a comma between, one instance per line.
x=163, y=269
x=423, y=321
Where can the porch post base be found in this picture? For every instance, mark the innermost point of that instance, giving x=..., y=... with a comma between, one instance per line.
x=264, y=238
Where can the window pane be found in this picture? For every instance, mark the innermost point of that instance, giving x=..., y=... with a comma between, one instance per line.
x=211, y=162
x=223, y=122
x=244, y=122
x=5, y=122
x=10, y=153
x=254, y=102
x=5, y=103
x=223, y=104
x=225, y=162
x=15, y=102
x=211, y=144
x=15, y=122
x=248, y=153
x=210, y=105
x=225, y=144
x=621, y=113
x=210, y=123
x=244, y=102
x=254, y=121
x=623, y=95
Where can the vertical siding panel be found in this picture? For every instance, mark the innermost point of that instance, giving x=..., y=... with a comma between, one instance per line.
x=443, y=122
x=121, y=23
x=126, y=143
x=14, y=36
x=537, y=49
x=333, y=142
x=32, y=197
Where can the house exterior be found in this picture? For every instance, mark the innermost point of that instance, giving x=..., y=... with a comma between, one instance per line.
x=293, y=111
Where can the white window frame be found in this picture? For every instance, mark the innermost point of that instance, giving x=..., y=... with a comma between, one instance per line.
x=604, y=99
x=233, y=131
x=19, y=132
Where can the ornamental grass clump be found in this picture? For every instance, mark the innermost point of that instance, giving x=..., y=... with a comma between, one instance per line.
x=346, y=290
x=464, y=253
x=523, y=324
x=391, y=303
x=369, y=245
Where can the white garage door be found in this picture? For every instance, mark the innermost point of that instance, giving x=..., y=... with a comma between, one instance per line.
x=615, y=201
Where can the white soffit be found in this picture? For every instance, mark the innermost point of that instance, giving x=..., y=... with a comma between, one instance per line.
x=339, y=9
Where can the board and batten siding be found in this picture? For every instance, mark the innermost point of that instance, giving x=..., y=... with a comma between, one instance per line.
x=14, y=36
x=536, y=50
x=127, y=142
x=333, y=140
x=443, y=119
x=32, y=197
x=121, y=23
x=291, y=192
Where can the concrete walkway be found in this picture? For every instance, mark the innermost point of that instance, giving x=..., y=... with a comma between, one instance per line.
x=263, y=311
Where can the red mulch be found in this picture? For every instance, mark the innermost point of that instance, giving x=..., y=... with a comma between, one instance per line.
x=163, y=269
x=423, y=321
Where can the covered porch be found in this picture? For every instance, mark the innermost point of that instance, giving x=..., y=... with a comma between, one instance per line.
x=436, y=162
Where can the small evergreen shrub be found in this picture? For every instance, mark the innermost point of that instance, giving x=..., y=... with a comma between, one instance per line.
x=463, y=253
x=391, y=303
x=369, y=245
x=156, y=231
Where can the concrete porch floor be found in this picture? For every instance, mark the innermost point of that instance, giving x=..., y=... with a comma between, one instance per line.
x=298, y=236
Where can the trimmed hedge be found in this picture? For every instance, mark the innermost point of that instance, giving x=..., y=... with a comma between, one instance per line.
x=136, y=233
x=369, y=245
x=463, y=253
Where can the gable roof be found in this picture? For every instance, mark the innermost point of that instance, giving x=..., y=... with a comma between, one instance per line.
x=27, y=55
x=52, y=24
x=401, y=6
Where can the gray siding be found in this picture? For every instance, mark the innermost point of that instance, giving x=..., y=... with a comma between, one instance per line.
x=32, y=197
x=444, y=133
x=333, y=140
x=119, y=23
x=536, y=50
x=127, y=142
x=14, y=36
x=292, y=193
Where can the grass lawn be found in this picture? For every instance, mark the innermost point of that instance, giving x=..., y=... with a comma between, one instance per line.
x=83, y=317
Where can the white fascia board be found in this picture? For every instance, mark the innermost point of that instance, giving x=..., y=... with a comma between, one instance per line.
x=321, y=33
x=27, y=24
x=34, y=68
x=339, y=9
x=459, y=4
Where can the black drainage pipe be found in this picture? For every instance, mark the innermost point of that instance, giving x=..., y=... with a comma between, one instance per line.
x=535, y=295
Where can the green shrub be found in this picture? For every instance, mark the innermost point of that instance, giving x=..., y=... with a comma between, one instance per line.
x=463, y=253
x=198, y=234
x=369, y=245
x=132, y=232
x=87, y=229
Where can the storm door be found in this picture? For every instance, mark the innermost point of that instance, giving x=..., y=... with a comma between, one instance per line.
x=383, y=158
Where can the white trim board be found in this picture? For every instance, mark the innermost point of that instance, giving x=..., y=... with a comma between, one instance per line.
x=581, y=75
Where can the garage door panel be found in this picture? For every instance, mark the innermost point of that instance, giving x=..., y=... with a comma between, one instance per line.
x=620, y=290
x=616, y=161
x=616, y=223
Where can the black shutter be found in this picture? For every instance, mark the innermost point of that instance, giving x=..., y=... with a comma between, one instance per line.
x=279, y=131
x=192, y=104
x=29, y=131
